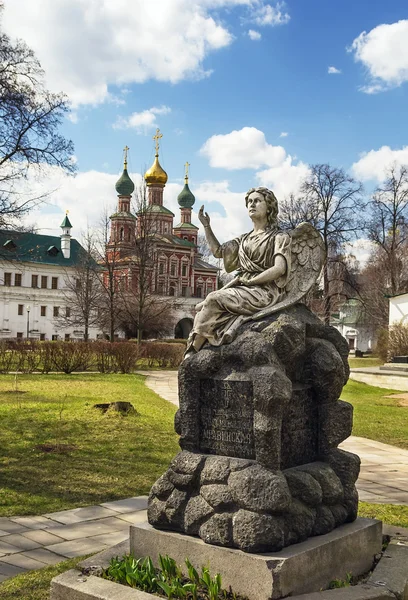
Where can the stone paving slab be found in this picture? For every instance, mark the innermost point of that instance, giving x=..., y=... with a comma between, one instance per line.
x=77, y=515
x=23, y=561
x=10, y=570
x=129, y=505
x=33, y=522
x=43, y=537
x=88, y=529
x=21, y=542
x=44, y=556
x=6, y=524
x=73, y=548
x=136, y=517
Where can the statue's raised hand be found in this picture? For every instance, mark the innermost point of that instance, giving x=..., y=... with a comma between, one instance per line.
x=203, y=217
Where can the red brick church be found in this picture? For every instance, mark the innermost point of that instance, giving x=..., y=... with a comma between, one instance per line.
x=178, y=271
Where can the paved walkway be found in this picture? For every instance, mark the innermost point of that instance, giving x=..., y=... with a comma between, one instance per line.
x=33, y=542
x=390, y=379
x=28, y=543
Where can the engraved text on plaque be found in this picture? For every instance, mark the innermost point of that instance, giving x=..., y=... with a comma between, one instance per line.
x=226, y=418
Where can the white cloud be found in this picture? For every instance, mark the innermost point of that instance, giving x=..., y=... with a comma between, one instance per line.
x=372, y=165
x=333, y=71
x=285, y=178
x=271, y=15
x=361, y=249
x=384, y=53
x=248, y=149
x=87, y=46
x=73, y=117
x=284, y=134
x=243, y=149
x=254, y=35
x=142, y=121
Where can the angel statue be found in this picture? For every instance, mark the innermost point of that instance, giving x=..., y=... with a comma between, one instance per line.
x=275, y=269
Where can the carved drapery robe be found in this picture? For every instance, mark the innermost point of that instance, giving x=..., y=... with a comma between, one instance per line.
x=223, y=311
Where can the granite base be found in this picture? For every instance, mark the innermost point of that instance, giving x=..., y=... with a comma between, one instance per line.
x=299, y=569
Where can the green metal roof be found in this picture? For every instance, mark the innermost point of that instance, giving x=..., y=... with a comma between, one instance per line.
x=185, y=226
x=156, y=208
x=66, y=222
x=124, y=185
x=123, y=215
x=186, y=197
x=33, y=247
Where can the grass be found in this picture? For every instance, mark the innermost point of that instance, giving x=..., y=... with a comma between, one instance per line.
x=34, y=585
x=392, y=514
x=114, y=457
x=375, y=416
x=355, y=363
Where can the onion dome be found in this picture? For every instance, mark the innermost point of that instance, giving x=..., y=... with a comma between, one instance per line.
x=124, y=185
x=186, y=197
x=156, y=175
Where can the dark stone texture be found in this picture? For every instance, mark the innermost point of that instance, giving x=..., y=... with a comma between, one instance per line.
x=174, y=507
x=324, y=522
x=325, y=368
x=304, y=486
x=218, y=530
x=216, y=470
x=332, y=490
x=340, y=513
x=254, y=532
x=196, y=511
x=258, y=489
x=336, y=423
x=345, y=464
x=259, y=424
x=299, y=520
x=217, y=495
x=162, y=488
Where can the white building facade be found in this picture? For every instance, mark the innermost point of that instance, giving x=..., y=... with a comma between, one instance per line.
x=34, y=297
x=398, y=309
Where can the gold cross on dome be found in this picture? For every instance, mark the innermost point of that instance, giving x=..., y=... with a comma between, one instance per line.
x=157, y=137
x=186, y=165
x=125, y=150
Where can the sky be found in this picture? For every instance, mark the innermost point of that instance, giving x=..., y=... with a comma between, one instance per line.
x=249, y=92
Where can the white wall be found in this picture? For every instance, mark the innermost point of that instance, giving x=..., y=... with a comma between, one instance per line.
x=398, y=309
x=11, y=323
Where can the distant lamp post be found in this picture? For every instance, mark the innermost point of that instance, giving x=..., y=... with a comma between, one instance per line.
x=28, y=308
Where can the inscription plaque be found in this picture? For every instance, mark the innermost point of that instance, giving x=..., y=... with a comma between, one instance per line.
x=227, y=418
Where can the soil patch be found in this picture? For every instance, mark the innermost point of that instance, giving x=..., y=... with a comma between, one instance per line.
x=56, y=448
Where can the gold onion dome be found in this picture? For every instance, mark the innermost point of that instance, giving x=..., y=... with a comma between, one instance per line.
x=156, y=175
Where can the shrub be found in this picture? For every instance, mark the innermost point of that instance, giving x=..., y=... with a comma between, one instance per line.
x=7, y=357
x=103, y=357
x=70, y=356
x=124, y=355
x=397, y=341
x=162, y=354
x=382, y=344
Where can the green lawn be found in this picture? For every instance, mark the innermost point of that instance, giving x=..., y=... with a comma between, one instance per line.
x=365, y=362
x=113, y=456
x=375, y=416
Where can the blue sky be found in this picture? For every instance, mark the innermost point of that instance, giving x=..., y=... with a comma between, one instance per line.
x=241, y=89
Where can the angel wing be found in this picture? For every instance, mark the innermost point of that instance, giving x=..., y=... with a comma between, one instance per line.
x=308, y=256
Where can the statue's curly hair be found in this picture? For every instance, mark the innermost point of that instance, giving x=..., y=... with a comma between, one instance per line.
x=271, y=203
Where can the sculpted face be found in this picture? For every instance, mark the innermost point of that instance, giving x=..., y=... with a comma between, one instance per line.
x=257, y=207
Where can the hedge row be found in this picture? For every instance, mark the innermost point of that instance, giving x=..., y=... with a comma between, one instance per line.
x=105, y=357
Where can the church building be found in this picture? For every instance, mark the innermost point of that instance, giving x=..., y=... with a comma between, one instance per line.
x=175, y=269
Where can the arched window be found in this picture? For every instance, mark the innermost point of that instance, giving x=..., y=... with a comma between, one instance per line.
x=172, y=290
x=122, y=234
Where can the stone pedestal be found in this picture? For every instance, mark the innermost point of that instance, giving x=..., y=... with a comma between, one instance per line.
x=299, y=569
x=259, y=423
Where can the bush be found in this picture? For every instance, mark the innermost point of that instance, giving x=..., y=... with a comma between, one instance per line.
x=124, y=355
x=162, y=354
x=70, y=356
x=397, y=341
x=382, y=344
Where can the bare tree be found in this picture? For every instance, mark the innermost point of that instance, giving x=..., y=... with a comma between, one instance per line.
x=30, y=116
x=111, y=278
x=83, y=289
x=388, y=228
x=332, y=201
